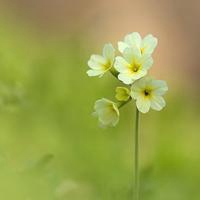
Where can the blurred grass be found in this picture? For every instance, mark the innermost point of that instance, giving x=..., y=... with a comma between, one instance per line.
x=52, y=148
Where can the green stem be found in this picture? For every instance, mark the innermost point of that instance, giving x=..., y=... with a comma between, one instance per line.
x=121, y=104
x=137, y=173
x=114, y=72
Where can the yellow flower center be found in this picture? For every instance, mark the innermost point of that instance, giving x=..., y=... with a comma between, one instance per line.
x=107, y=65
x=147, y=92
x=135, y=68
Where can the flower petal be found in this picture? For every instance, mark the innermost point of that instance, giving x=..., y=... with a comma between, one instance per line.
x=121, y=64
x=143, y=104
x=125, y=78
x=149, y=43
x=109, y=52
x=109, y=118
x=98, y=59
x=133, y=39
x=100, y=103
x=94, y=65
x=131, y=54
x=157, y=103
x=92, y=72
x=137, y=88
x=160, y=87
x=98, y=64
x=128, y=77
x=146, y=61
x=107, y=112
x=122, y=46
x=141, y=73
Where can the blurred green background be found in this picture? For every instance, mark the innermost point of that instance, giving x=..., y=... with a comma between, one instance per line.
x=51, y=148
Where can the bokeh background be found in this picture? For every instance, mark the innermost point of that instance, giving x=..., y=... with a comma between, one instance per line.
x=51, y=148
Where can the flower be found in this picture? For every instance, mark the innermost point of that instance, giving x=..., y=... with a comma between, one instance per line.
x=107, y=112
x=134, y=40
x=122, y=94
x=132, y=66
x=148, y=93
x=100, y=64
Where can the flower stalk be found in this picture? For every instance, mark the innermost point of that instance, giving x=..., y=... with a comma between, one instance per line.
x=114, y=72
x=121, y=104
x=137, y=172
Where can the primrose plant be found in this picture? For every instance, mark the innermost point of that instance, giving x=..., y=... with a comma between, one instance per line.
x=131, y=69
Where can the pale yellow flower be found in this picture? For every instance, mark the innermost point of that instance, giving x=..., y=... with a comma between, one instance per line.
x=148, y=94
x=122, y=94
x=99, y=64
x=107, y=112
x=134, y=40
x=132, y=66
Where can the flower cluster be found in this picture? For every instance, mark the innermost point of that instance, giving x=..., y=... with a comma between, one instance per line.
x=131, y=68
